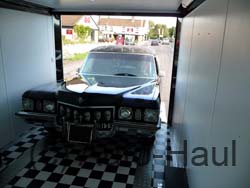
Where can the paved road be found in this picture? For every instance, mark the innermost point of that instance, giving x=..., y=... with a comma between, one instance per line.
x=164, y=56
x=165, y=59
x=70, y=69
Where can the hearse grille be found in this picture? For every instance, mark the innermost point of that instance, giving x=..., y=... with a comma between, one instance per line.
x=86, y=114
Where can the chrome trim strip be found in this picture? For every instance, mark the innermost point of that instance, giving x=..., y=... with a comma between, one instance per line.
x=59, y=102
x=37, y=116
x=136, y=125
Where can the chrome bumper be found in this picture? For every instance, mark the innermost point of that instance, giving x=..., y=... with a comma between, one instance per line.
x=40, y=117
x=50, y=118
x=137, y=125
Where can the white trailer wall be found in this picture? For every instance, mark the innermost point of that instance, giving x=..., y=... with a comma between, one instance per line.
x=26, y=61
x=212, y=105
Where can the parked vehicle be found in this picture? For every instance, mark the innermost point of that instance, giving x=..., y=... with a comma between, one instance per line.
x=117, y=86
x=120, y=40
x=165, y=42
x=154, y=43
x=130, y=40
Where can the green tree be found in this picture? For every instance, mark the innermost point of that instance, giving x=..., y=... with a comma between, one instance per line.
x=152, y=34
x=171, y=32
x=164, y=31
x=151, y=24
x=157, y=30
x=82, y=31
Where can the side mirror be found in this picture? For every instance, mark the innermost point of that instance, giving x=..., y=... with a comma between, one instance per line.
x=162, y=74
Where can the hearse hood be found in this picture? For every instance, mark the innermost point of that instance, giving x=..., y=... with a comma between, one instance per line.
x=129, y=87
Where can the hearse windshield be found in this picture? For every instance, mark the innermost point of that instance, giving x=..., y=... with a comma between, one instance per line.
x=119, y=65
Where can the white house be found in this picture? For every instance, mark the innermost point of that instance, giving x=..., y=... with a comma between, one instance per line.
x=68, y=22
x=129, y=27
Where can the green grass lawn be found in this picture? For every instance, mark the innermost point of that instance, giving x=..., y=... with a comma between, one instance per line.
x=76, y=57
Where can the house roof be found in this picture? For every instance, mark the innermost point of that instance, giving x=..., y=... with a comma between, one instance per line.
x=122, y=22
x=70, y=21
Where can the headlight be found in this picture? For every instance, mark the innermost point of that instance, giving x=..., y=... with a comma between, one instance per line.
x=151, y=115
x=125, y=113
x=49, y=106
x=28, y=104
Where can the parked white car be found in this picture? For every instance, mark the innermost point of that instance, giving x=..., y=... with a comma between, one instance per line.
x=165, y=42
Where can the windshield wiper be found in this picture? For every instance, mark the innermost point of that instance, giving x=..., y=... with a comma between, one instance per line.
x=124, y=74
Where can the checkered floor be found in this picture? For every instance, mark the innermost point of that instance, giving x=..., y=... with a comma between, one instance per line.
x=12, y=153
x=108, y=163
x=161, y=156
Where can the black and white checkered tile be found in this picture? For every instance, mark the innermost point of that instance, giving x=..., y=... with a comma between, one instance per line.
x=109, y=163
x=161, y=156
x=27, y=141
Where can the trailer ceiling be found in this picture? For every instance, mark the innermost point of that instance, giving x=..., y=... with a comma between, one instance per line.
x=102, y=6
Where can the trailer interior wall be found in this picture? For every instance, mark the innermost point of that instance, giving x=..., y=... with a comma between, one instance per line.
x=212, y=105
x=26, y=61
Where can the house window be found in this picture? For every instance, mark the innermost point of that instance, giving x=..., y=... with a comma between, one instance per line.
x=69, y=32
x=136, y=30
x=86, y=19
x=130, y=30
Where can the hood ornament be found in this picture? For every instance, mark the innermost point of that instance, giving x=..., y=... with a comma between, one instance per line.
x=81, y=100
